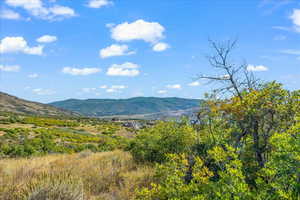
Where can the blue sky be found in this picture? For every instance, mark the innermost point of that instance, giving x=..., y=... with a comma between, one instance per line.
x=54, y=50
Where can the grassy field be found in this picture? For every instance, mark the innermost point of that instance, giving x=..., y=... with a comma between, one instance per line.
x=86, y=175
x=22, y=136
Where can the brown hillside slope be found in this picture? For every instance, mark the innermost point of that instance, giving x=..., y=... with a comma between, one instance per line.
x=9, y=103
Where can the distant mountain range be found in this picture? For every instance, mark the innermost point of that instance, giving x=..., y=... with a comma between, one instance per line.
x=139, y=107
x=9, y=103
x=133, y=108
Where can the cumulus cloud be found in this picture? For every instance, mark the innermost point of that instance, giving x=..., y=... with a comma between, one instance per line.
x=295, y=17
x=80, y=71
x=161, y=46
x=139, y=30
x=257, y=68
x=162, y=91
x=46, y=39
x=35, y=75
x=126, y=69
x=194, y=84
x=115, y=50
x=10, y=68
x=103, y=86
x=99, y=3
x=41, y=91
x=9, y=14
x=19, y=45
x=174, y=86
x=37, y=9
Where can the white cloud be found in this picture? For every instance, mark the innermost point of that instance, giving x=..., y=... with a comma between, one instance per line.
x=37, y=9
x=46, y=39
x=194, y=84
x=161, y=46
x=99, y=3
x=282, y=28
x=175, y=86
x=41, y=91
x=138, y=30
x=115, y=50
x=9, y=14
x=38, y=50
x=116, y=88
x=18, y=45
x=62, y=11
x=27, y=4
x=295, y=17
x=257, y=68
x=80, y=71
x=35, y=75
x=113, y=88
x=126, y=69
x=162, y=91
x=10, y=68
x=291, y=51
x=109, y=25
x=12, y=44
x=110, y=90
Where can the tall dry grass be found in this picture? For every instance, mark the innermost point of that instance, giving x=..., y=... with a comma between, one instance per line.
x=85, y=176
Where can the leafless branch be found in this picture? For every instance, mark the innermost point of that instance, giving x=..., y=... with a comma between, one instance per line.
x=235, y=78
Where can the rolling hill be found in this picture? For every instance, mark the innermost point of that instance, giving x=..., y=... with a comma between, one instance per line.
x=129, y=107
x=9, y=103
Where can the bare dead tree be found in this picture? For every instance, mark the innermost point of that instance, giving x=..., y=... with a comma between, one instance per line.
x=234, y=78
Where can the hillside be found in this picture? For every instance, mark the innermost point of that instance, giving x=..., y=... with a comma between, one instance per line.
x=132, y=106
x=9, y=103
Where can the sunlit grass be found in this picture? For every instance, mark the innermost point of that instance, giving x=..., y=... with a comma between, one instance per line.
x=108, y=175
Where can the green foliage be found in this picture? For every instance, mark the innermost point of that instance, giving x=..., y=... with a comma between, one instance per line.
x=153, y=143
x=44, y=122
x=25, y=142
x=108, y=128
x=248, y=148
x=173, y=183
x=281, y=175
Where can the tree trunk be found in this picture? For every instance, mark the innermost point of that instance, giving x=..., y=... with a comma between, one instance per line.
x=256, y=146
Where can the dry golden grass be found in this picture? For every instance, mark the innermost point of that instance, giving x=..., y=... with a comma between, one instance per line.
x=91, y=176
x=16, y=125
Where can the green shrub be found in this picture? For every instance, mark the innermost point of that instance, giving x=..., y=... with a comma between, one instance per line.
x=166, y=137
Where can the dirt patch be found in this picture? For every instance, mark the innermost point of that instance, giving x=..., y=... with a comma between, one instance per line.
x=2, y=133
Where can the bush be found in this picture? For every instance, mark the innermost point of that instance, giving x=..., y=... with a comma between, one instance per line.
x=154, y=143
